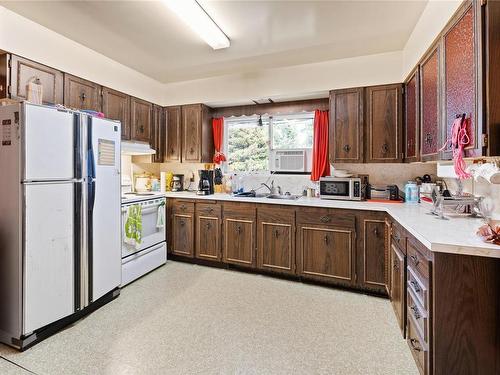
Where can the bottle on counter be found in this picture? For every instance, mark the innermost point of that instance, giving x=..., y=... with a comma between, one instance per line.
x=411, y=192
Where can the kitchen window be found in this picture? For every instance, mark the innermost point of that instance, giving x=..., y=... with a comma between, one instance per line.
x=251, y=142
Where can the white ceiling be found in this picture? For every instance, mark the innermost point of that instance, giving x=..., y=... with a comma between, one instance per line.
x=148, y=37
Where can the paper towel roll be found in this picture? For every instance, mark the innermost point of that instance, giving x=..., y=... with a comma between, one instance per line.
x=163, y=181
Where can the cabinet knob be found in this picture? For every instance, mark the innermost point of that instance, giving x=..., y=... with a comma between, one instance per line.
x=326, y=239
x=375, y=232
x=428, y=138
x=238, y=229
x=385, y=148
x=83, y=96
x=210, y=209
x=410, y=142
x=414, y=259
x=276, y=233
x=191, y=150
x=397, y=238
x=182, y=222
x=396, y=265
x=172, y=151
x=347, y=148
x=183, y=207
x=416, y=312
x=415, y=286
x=414, y=346
x=208, y=226
x=325, y=219
x=141, y=129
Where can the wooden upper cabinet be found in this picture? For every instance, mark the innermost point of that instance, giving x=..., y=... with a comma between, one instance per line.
x=346, y=125
x=141, y=117
x=411, y=123
x=460, y=76
x=383, y=123
x=23, y=71
x=158, y=134
x=116, y=106
x=81, y=94
x=276, y=239
x=197, y=135
x=429, y=106
x=174, y=132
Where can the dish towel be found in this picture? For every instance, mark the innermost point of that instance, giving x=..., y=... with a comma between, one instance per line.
x=160, y=221
x=133, y=225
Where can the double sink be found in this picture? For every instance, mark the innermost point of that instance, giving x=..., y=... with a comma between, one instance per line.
x=253, y=194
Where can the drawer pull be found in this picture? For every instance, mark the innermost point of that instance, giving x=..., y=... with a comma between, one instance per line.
x=276, y=233
x=210, y=209
x=347, y=148
x=182, y=223
x=414, y=346
x=208, y=226
x=183, y=207
x=415, y=286
x=326, y=219
x=238, y=229
x=385, y=148
x=375, y=232
x=326, y=239
x=414, y=259
x=396, y=237
x=396, y=265
x=416, y=312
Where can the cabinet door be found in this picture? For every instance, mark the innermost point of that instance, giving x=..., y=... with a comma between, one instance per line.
x=173, y=145
x=429, y=106
x=158, y=134
x=460, y=77
x=116, y=106
x=81, y=94
x=239, y=234
x=384, y=124
x=141, y=117
x=411, y=124
x=398, y=286
x=375, y=253
x=276, y=242
x=191, y=132
x=346, y=125
x=183, y=234
x=208, y=237
x=326, y=253
x=23, y=71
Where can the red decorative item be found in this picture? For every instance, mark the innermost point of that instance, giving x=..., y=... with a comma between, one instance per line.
x=489, y=234
x=218, y=129
x=458, y=141
x=320, y=163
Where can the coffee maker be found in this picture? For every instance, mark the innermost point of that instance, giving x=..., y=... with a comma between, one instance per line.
x=178, y=182
x=206, y=184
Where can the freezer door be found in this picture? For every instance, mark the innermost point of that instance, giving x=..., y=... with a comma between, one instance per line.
x=104, y=201
x=49, y=247
x=50, y=139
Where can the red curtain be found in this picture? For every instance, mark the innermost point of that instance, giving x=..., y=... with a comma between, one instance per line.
x=218, y=128
x=320, y=162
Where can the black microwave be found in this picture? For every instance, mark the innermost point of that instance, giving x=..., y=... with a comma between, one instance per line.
x=348, y=188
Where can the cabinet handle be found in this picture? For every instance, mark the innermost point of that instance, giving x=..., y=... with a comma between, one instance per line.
x=413, y=343
x=182, y=222
x=191, y=150
x=141, y=129
x=375, y=232
x=172, y=151
x=396, y=266
x=276, y=233
x=414, y=259
x=326, y=239
x=210, y=209
x=347, y=148
x=208, y=226
x=238, y=229
x=410, y=142
x=428, y=138
x=326, y=219
x=83, y=96
x=397, y=238
x=183, y=207
x=415, y=285
x=416, y=312
x=385, y=148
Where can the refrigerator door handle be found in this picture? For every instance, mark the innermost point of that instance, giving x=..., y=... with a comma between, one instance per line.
x=90, y=149
x=78, y=200
x=77, y=146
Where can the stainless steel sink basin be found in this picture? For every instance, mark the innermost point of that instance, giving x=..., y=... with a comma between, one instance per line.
x=285, y=197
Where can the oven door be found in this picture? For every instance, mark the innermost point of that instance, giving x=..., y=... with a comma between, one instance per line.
x=339, y=189
x=152, y=232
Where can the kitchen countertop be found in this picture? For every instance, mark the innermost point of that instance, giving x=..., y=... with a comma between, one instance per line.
x=456, y=235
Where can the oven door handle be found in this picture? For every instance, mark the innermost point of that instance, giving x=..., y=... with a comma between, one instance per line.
x=144, y=210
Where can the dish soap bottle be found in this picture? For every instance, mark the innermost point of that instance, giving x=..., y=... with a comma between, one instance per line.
x=411, y=192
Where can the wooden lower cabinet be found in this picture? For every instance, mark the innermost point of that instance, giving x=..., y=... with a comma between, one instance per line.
x=398, y=286
x=208, y=231
x=183, y=228
x=276, y=239
x=239, y=228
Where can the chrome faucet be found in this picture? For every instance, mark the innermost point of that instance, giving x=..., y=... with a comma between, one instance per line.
x=272, y=189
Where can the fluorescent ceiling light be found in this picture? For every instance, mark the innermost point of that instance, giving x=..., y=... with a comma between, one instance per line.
x=199, y=21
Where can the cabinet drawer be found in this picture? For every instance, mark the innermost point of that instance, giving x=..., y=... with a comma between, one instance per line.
x=182, y=207
x=419, y=315
x=417, y=260
x=418, y=287
x=240, y=210
x=398, y=236
x=209, y=209
x=419, y=349
x=320, y=216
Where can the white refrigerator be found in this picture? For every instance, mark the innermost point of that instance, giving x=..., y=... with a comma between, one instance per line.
x=60, y=232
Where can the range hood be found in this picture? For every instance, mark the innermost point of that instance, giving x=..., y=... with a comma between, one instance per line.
x=136, y=148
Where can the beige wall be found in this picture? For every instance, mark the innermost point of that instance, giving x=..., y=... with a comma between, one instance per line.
x=31, y=40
